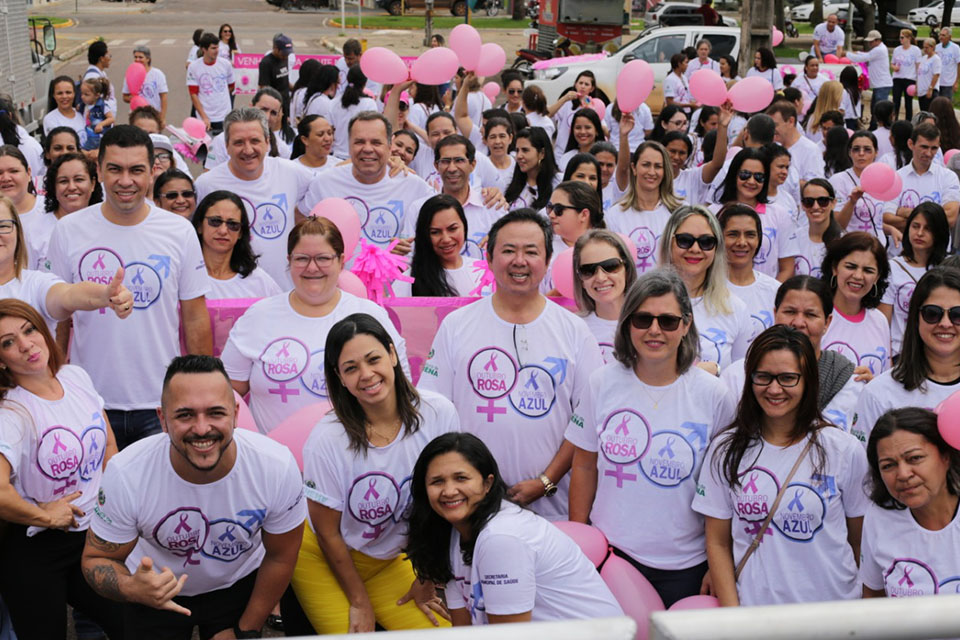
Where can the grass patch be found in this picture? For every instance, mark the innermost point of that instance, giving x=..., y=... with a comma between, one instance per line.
x=804, y=28
x=55, y=21
x=439, y=22
x=787, y=53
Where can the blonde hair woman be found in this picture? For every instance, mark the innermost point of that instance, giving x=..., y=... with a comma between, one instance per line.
x=829, y=98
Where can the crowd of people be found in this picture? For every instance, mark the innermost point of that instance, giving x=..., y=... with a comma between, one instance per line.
x=738, y=396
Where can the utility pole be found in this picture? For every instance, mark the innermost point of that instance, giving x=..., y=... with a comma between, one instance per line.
x=755, y=31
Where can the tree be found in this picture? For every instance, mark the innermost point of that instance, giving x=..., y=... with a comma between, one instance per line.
x=755, y=31
x=816, y=16
x=779, y=15
x=518, y=7
x=947, y=13
x=869, y=12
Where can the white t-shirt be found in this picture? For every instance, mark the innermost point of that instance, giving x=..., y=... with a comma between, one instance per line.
x=929, y=66
x=32, y=287
x=477, y=103
x=212, y=532
x=695, y=65
x=809, y=87
x=382, y=206
x=724, y=337
x=772, y=75
x=371, y=489
x=884, y=146
x=280, y=353
x=883, y=393
x=55, y=119
x=950, y=57
x=94, y=71
x=804, y=555
x=604, y=331
x=523, y=563
x=903, y=559
x=270, y=200
x=258, y=284
x=758, y=297
x=154, y=84
x=643, y=122
x=676, y=87
x=163, y=265
x=785, y=200
x=903, y=280
x=689, y=185
x=829, y=40
x=56, y=447
x=463, y=280
x=320, y=104
x=650, y=442
x=865, y=341
x=907, y=59
x=545, y=123
x=867, y=212
x=563, y=120
x=213, y=81
x=938, y=184
x=38, y=226
x=810, y=257
x=807, y=158
x=341, y=121
x=515, y=386
x=192, y=53
x=878, y=65
x=611, y=195
x=217, y=152
x=297, y=108
x=779, y=239
x=503, y=177
x=643, y=227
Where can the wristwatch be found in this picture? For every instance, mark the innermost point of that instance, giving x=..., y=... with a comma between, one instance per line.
x=549, y=489
x=241, y=633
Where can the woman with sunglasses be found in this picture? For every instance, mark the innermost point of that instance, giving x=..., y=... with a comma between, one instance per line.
x=224, y=230
x=314, y=144
x=630, y=417
x=857, y=211
x=747, y=182
x=173, y=190
x=693, y=245
x=71, y=184
x=513, y=87
x=856, y=269
x=228, y=43
x=274, y=351
x=924, y=246
x=911, y=530
x=574, y=209
x=603, y=272
x=780, y=456
x=642, y=213
x=817, y=200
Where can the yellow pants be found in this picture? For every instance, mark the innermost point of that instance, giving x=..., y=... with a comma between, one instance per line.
x=386, y=581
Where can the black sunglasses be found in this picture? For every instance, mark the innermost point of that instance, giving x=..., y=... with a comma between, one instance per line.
x=215, y=222
x=763, y=379
x=557, y=209
x=823, y=201
x=514, y=92
x=667, y=321
x=933, y=313
x=757, y=175
x=686, y=240
x=173, y=195
x=589, y=269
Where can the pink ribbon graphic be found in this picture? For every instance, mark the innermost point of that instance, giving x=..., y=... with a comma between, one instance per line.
x=906, y=577
x=372, y=490
x=58, y=446
x=487, y=278
x=752, y=485
x=492, y=363
x=183, y=524
x=99, y=263
x=622, y=427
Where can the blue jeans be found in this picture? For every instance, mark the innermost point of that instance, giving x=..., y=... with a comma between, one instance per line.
x=130, y=426
x=879, y=94
x=946, y=91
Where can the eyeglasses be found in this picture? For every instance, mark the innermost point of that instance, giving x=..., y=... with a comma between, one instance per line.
x=173, y=195
x=7, y=226
x=215, y=222
x=763, y=379
x=589, y=269
x=446, y=162
x=823, y=201
x=302, y=261
x=163, y=156
x=557, y=209
x=933, y=313
x=686, y=240
x=666, y=321
x=756, y=175
x=514, y=92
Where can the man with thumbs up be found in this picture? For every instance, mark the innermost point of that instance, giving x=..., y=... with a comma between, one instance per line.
x=210, y=516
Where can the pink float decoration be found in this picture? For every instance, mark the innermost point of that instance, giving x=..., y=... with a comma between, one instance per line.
x=492, y=59
x=634, y=84
x=384, y=66
x=466, y=43
x=294, y=431
x=562, y=272
x=377, y=268
x=435, y=66
x=751, y=95
x=636, y=595
x=708, y=88
x=590, y=539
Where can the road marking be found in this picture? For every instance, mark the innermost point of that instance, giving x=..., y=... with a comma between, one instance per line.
x=115, y=43
x=247, y=42
x=168, y=41
x=299, y=43
x=139, y=42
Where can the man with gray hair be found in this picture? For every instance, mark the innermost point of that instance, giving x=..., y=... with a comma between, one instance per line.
x=154, y=88
x=270, y=102
x=270, y=187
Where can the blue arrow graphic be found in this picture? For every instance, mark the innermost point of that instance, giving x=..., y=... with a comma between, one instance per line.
x=162, y=262
x=559, y=366
x=256, y=517
x=396, y=206
x=698, y=431
x=281, y=200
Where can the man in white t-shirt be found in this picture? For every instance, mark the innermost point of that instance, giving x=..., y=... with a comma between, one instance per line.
x=878, y=67
x=924, y=180
x=269, y=187
x=269, y=101
x=210, y=82
x=221, y=506
x=804, y=154
x=352, y=50
x=949, y=54
x=154, y=89
x=383, y=201
x=827, y=38
x=98, y=55
x=516, y=366
x=164, y=270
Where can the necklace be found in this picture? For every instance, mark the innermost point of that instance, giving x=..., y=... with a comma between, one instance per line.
x=385, y=439
x=655, y=399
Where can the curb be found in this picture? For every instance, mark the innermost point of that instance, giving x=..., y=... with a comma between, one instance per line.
x=71, y=53
x=330, y=46
x=70, y=23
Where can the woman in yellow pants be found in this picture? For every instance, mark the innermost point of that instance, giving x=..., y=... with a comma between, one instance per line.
x=357, y=465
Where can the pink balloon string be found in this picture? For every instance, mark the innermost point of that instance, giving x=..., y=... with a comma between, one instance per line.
x=377, y=269
x=487, y=278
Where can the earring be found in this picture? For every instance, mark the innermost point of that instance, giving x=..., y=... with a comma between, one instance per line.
x=833, y=282
x=876, y=290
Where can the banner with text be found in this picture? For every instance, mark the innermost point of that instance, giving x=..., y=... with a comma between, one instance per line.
x=245, y=66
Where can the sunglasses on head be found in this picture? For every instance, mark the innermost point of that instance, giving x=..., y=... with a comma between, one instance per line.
x=589, y=269
x=232, y=225
x=666, y=321
x=933, y=313
x=823, y=201
x=686, y=240
x=756, y=175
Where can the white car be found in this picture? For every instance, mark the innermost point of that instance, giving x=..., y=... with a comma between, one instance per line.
x=802, y=12
x=932, y=14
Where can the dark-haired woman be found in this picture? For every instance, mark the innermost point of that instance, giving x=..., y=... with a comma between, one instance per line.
x=174, y=191
x=16, y=184
x=352, y=101
x=308, y=69
x=224, y=230
x=643, y=127
x=855, y=210
x=779, y=455
x=498, y=136
x=574, y=209
x=630, y=419
x=924, y=246
x=71, y=184
x=314, y=144
x=901, y=155
x=578, y=97
x=536, y=111
x=851, y=104
x=765, y=66
x=835, y=156
x=438, y=267
x=464, y=530
x=911, y=531
x=357, y=467
x=318, y=99
x=584, y=167
x=228, y=43
x=59, y=141
x=60, y=111
x=817, y=199
x=676, y=89
x=585, y=130
x=535, y=174
x=778, y=193
x=857, y=270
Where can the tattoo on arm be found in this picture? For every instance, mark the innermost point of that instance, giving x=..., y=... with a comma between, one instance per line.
x=100, y=544
x=103, y=579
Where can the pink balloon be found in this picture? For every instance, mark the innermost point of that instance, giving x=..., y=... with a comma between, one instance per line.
x=135, y=75
x=491, y=90
x=876, y=179
x=492, y=59
x=597, y=105
x=590, y=539
x=349, y=282
x=949, y=154
x=562, y=272
x=893, y=192
x=695, y=602
x=948, y=420
x=294, y=431
x=751, y=95
x=435, y=66
x=138, y=101
x=465, y=42
x=384, y=66
x=244, y=417
x=708, y=87
x=844, y=60
x=345, y=217
x=636, y=595
x=776, y=37
x=194, y=127
x=912, y=90
x=634, y=84
x=831, y=59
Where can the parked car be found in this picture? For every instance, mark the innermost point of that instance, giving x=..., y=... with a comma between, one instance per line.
x=932, y=14
x=802, y=13
x=675, y=14
x=890, y=30
x=395, y=8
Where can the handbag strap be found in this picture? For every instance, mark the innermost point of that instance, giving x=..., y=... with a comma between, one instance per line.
x=776, y=503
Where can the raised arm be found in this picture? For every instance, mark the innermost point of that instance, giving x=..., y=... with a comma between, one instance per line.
x=712, y=168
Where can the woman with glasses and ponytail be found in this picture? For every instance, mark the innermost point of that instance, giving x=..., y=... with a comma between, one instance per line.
x=781, y=488
x=629, y=423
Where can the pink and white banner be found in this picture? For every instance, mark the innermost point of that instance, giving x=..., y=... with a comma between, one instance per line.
x=245, y=67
